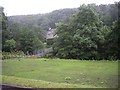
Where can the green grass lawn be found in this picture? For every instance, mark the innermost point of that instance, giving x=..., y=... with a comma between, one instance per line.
x=46, y=73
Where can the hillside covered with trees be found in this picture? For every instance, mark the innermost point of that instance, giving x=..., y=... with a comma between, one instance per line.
x=88, y=32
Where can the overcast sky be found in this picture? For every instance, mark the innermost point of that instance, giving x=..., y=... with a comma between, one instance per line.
x=23, y=7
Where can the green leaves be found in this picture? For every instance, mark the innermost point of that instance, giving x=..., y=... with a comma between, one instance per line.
x=29, y=41
x=10, y=45
x=83, y=37
x=112, y=41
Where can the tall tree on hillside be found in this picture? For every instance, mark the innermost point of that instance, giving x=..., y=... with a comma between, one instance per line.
x=5, y=31
x=29, y=42
x=1, y=28
x=113, y=41
x=83, y=37
x=63, y=44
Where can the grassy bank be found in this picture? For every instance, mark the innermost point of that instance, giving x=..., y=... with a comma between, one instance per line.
x=40, y=83
x=60, y=73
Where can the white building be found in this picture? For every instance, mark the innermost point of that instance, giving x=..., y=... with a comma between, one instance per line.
x=50, y=33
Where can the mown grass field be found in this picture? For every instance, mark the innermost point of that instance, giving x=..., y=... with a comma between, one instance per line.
x=57, y=73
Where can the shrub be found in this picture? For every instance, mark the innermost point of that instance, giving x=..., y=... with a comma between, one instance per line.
x=11, y=55
x=67, y=78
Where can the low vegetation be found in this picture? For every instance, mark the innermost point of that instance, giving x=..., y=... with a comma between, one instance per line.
x=49, y=73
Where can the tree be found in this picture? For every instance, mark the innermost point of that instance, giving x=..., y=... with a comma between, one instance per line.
x=62, y=46
x=4, y=26
x=29, y=42
x=10, y=45
x=1, y=28
x=38, y=44
x=113, y=44
x=83, y=37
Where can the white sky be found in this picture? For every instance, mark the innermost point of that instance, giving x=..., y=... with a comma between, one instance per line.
x=23, y=7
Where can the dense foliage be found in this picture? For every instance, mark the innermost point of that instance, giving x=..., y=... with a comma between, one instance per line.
x=107, y=13
x=44, y=21
x=86, y=37
x=88, y=32
x=29, y=42
x=4, y=32
x=19, y=37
